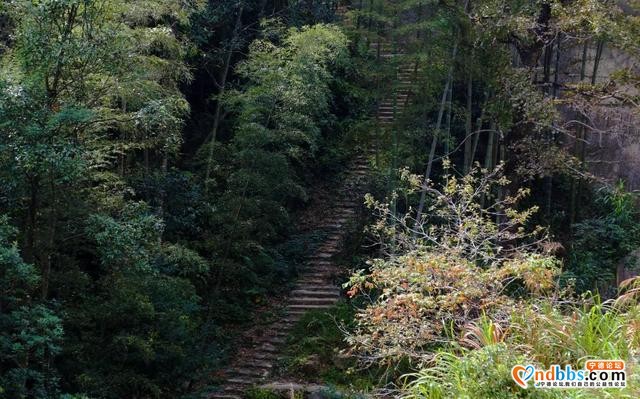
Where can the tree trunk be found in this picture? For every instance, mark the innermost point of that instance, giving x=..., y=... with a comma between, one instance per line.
x=436, y=132
x=476, y=137
x=502, y=154
x=596, y=61
x=577, y=146
x=552, y=139
x=466, y=163
x=32, y=215
x=218, y=111
x=50, y=243
x=162, y=196
x=488, y=155
x=447, y=138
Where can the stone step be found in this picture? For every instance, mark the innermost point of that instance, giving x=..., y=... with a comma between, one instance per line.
x=306, y=308
x=223, y=395
x=273, y=340
x=255, y=363
x=265, y=356
x=322, y=261
x=314, y=267
x=251, y=372
x=322, y=303
x=318, y=273
x=349, y=211
x=240, y=381
x=321, y=256
x=268, y=348
x=299, y=313
x=389, y=100
x=318, y=276
x=316, y=300
x=329, y=244
x=314, y=280
x=315, y=288
x=293, y=318
x=335, y=293
x=399, y=94
x=327, y=249
x=285, y=327
x=277, y=333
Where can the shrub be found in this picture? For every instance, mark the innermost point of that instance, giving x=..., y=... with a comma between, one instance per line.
x=423, y=298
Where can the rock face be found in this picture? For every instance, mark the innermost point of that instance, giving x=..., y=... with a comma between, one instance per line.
x=628, y=267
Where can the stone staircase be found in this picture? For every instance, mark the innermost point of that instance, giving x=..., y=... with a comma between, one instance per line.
x=317, y=288
x=400, y=94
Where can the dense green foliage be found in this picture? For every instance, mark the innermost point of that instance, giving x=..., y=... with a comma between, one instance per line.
x=142, y=229
x=30, y=332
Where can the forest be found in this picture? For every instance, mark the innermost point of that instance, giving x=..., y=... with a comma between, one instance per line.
x=263, y=199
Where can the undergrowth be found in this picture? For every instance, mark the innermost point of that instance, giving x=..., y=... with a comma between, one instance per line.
x=316, y=351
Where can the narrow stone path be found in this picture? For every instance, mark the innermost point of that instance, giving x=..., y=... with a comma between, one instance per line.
x=394, y=104
x=317, y=288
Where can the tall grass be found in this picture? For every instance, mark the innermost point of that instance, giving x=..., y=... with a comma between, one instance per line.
x=479, y=366
x=597, y=330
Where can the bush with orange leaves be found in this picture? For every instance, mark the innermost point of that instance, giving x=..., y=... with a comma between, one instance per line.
x=470, y=256
x=421, y=300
